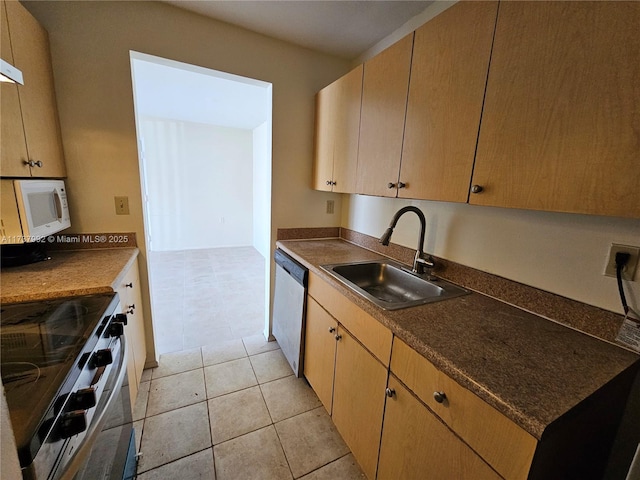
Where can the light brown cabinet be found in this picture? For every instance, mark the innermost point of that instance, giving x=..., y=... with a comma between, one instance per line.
x=320, y=352
x=384, y=103
x=448, y=75
x=560, y=125
x=337, y=132
x=415, y=442
x=500, y=442
x=130, y=295
x=347, y=377
x=29, y=126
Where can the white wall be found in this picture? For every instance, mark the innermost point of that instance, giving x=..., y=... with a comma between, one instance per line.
x=262, y=189
x=200, y=184
x=560, y=253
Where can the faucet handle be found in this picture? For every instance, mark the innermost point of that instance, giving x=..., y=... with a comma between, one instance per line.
x=424, y=265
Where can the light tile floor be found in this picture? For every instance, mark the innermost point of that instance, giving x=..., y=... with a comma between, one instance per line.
x=233, y=411
x=206, y=296
x=223, y=403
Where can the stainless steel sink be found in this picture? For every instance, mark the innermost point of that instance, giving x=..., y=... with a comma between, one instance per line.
x=390, y=286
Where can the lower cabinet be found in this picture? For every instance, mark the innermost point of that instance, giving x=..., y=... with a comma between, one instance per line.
x=349, y=381
x=320, y=352
x=416, y=444
x=129, y=292
x=358, y=400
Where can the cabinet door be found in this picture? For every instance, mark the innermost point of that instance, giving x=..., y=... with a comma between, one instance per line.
x=347, y=124
x=13, y=154
x=560, y=125
x=30, y=45
x=448, y=76
x=358, y=400
x=384, y=103
x=326, y=103
x=320, y=351
x=416, y=445
x=131, y=302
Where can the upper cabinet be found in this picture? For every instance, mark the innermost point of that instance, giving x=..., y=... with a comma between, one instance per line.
x=384, y=103
x=561, y=124
x=337, y=131
x=448, y=75
x=30, y=130
x=531, y=105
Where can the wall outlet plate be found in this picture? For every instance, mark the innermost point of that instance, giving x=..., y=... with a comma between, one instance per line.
x=630, y=268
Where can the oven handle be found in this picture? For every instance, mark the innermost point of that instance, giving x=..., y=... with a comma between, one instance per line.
x=84, y=449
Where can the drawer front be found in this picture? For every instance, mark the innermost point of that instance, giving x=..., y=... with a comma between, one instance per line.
x=503, y=444
x=371, y=333
x=415, y=442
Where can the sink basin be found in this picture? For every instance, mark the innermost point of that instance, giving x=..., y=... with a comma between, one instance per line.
x=390, y=285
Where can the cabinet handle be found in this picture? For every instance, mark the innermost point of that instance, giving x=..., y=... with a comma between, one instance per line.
x=476, y=188
x=332, y=329
x=338, y=337
x=439, y=397
x=33, y=163
x=391, y=185
x=128, y=285
x=401, y=184
x=390, y=392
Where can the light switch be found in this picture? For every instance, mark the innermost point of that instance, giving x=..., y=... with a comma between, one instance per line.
x=122, y=205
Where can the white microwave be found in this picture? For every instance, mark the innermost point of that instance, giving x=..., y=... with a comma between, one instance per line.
x=33, y=210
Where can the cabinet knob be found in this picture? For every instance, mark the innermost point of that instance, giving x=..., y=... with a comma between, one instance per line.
x=476, y=188
x=328, y=182
x=334, y=183
x=401, y=185
x=129, y=285
x=332, y=329
x=390, y=392
x=439, y=397
x=391, y=185
x=33, y=163
x=338, y=337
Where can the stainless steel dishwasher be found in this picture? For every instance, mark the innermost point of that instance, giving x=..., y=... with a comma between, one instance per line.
x=289, y=308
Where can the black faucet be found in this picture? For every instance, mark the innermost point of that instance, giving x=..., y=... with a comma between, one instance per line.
x=420, y=263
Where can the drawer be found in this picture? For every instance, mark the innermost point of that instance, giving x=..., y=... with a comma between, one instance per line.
x=372, y=334
x=503, y=444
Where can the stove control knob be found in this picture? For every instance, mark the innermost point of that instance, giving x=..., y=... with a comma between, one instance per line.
x=83, y=399
x=116, y=329
x=120, y=317
x=72, y=423
x=101, y=358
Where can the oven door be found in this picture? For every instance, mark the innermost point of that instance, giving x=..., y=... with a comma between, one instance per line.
x=108, y=450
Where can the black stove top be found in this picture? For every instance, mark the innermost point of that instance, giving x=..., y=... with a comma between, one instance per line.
x=40, y=344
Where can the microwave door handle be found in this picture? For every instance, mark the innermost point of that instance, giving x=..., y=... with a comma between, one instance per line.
x=58, y=204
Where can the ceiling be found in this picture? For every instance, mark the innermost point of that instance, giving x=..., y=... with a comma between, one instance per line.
x=169, y=89
x=337, y=27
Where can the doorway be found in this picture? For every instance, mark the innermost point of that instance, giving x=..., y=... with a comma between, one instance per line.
x=204, y=141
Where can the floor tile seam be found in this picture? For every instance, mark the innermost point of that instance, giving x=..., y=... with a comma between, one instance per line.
x=243, y=434
x=175, y=373
x=283, y=450
x=139, y=472
x=177, y=408
x=235, y=391
x=322, y=466
x=270, y=415
x=274, y=379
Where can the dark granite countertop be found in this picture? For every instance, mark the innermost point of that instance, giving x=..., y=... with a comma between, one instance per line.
x=531, y=369
x=68, y=273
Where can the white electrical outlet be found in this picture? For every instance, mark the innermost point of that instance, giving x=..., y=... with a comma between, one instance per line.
x=629, y=269
x=330, y=206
